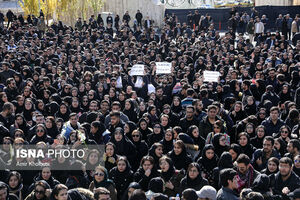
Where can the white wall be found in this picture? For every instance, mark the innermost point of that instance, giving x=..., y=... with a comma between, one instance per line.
x=273, y=2
x=147, y=7
x=296, y=2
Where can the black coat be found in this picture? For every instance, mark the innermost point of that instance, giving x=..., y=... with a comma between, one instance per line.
x=121, y=179
x=293, y=182
x=51, y=181
x=182, y=160
x=144, y=180
x=125, y=147
x=195, y=184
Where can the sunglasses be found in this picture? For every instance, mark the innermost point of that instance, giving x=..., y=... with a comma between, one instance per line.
x=297, y=161
x=39, y=191
x=40, y=130
x=284, y=132
x=99, y=174
x=156, y=126
x=135, y=135
x=6, y=143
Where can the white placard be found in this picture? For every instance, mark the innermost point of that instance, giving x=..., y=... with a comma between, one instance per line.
x=137, y=70
x=163, y=68
x=211, y=76
x=139, y=82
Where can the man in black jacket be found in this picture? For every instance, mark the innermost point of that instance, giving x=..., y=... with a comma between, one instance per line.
x=285, y=181
x=139, y=17
x=189, y=119
x=273, y=123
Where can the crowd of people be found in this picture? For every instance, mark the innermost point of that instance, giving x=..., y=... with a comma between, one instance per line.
x=165, y=136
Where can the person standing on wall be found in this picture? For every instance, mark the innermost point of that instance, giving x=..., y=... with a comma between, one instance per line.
x=139, y=18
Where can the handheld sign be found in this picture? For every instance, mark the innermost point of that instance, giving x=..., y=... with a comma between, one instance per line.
x=211, y=76
x=163, y=68
x=137, y=70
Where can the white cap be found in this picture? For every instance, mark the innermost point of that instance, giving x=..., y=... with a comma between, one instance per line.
x=207, y=192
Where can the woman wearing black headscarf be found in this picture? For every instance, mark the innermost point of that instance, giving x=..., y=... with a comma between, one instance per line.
x=128, y=128
x=168, y=141
x=193, y=178
x=131, y=188
x=225, y=161
x=146, y=172
x=257, y=141
x=258, y=89
x=292, y=119
x=153, y=115
x=272, y=166
x=237, y=113
x=156, y=152
x=250, y=107
x=63, y=112
x=124, y=147
x=93, y=160
x=109, y=156
x=144, y=129
x=41, y=135
x=179, y=156
x=28, y=110
x=98, y=133
x=244, y=143
x=19, y=82
x=193, y=132
x=121, y=175
x=234, y=150
x=100, y=179
x=219, y=143
x=208, y=162
x=285, y=94
x=141, y=146
x=46, y=175
x=130, y=111
x=20, y=123
x=157, y=134
x=171, y=176
x=280, y=145
x=15, y=185
x=176, y=106
x=51, y=127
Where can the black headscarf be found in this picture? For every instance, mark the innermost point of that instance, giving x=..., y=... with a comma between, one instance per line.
x=153, y=154
x=167, y=175
x=177, y=109
x=131, y=113
x=208, y=164
x=216, y=143
x=225, y=161
x=105, y=182
x=182, y=160
x=145, y=132
x=132, y=127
